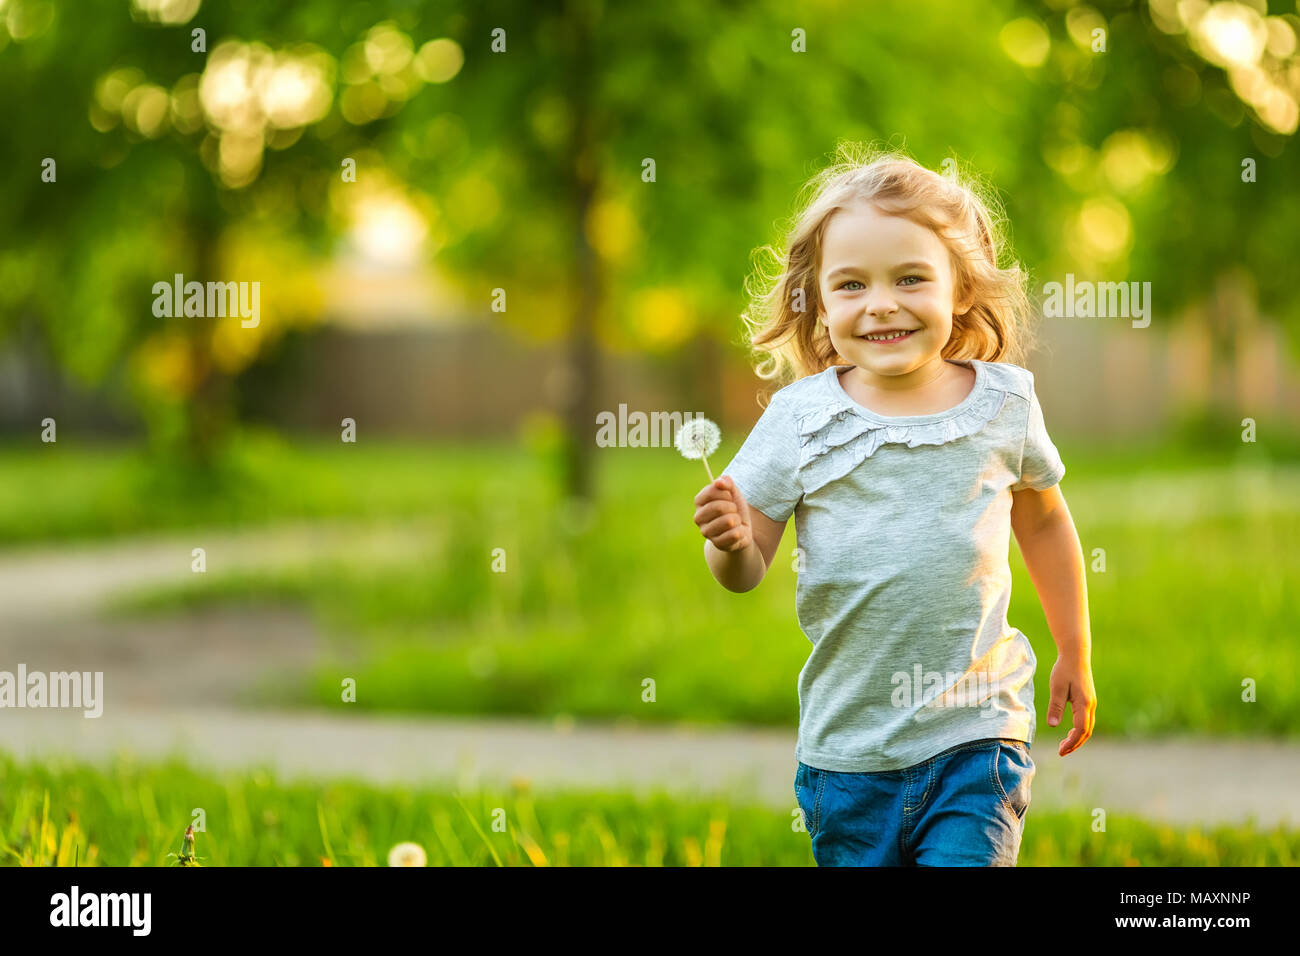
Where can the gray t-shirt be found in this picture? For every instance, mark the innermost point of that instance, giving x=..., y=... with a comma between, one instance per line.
x=903, y=529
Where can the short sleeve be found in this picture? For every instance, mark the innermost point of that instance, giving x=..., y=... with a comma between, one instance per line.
x=766, y=469
x=1040, y=463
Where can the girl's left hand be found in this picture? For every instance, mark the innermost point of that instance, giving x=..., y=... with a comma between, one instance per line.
x=1071, y=681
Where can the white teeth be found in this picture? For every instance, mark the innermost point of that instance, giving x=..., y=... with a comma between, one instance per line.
x=886, y=337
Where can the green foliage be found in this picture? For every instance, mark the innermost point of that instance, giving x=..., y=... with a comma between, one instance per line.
x=733, y=117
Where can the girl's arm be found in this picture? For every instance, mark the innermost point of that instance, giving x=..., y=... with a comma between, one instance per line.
x=742, y=571
x=746, y=539
x=1050, y=546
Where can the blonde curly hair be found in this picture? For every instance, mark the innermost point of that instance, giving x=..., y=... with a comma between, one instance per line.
x=963, y=213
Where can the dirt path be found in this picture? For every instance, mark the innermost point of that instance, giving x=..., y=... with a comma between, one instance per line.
x=59, y=583
x=175, y=681
x=1178, y=781
x=62, y=581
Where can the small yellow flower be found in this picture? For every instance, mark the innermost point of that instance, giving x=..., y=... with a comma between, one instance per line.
x=407, y=854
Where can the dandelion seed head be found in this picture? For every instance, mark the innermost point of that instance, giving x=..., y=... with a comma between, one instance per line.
x=407, y=854
x=698, y=437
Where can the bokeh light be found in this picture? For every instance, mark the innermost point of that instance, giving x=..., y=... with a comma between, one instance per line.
x=165, y=11
x=1026, y=41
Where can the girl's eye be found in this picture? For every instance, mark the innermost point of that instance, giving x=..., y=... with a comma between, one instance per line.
x=845, y=285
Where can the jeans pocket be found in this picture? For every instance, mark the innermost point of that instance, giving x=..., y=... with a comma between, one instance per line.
x=808, y=784
x=1013, y=772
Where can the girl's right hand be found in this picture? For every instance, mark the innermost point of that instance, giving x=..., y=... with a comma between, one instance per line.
x=722, y=515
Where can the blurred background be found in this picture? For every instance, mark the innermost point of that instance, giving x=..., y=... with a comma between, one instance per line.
x=475, y=227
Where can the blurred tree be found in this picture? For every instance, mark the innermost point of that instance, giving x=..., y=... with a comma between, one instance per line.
x=645, y=150
x=609, y=166
x=177, y=155
x=1149, y=117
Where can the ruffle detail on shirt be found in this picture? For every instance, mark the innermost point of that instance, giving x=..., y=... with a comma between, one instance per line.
x=835, y=438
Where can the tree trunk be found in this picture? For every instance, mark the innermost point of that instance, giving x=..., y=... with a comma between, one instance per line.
x=1231, y=315
x=584, y=357
x=207, y=408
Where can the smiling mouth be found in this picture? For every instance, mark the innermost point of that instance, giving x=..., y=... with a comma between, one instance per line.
x=896, y=335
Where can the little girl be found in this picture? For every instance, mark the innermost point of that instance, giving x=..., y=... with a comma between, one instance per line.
x=907, y=449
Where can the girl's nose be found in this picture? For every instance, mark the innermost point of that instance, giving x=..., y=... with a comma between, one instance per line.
x=881, y=303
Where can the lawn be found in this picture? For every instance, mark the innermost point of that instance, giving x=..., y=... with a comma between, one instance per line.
x=134, y=815
x=1199, y=593
x=79, y=489
x=72, y=490
x=1194, y=599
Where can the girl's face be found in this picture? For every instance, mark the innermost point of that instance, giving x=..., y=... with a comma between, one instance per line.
x=882, y=273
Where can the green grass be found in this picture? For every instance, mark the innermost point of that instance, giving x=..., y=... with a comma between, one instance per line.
x=79, y=488
x=133, y=815
x=1182, y=614
x=72, y=490
x=1200, y=591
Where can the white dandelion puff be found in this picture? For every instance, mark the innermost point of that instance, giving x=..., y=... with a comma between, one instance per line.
x=407, y=854
x=698, y=438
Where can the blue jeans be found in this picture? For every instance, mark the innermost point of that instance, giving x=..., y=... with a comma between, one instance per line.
x=963, y=807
